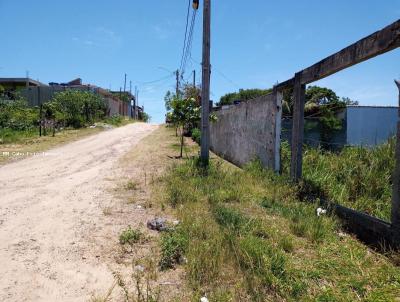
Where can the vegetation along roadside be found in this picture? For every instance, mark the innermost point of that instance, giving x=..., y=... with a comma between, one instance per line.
x=71, y=115
x=245, y=236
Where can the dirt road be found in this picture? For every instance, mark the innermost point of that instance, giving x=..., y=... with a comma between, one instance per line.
x=49, y=211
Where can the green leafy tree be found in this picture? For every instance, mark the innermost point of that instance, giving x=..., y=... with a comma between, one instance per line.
x=242, y=95
x=185, y=114
x=145, y=117
x=75, y=108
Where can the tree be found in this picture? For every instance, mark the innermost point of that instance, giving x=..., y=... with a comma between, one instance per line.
x=242, y=95
x=145, y=117
x=185, y=114
x=320, y=102
x=75, y=108
x=187, y=91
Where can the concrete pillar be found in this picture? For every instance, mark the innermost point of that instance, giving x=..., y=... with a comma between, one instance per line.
x=278, y=96
x=296, y=163
x=396, y=176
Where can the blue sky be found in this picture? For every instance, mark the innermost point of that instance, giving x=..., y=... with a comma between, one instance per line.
x=254, y=44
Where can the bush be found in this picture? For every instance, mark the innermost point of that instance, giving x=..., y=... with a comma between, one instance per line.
x=196, y=135
x=76, y=108
x=173, y=247
x=130, y=236
x=16, y=115
x=115, y=120
x=144, y=117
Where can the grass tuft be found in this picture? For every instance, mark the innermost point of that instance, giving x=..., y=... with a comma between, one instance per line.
x=130, y=236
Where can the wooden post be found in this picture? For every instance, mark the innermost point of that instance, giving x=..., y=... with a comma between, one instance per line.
x=396, y=176
x=205, y=89
x=40, y=119
x=297, y=128
x=278, y=127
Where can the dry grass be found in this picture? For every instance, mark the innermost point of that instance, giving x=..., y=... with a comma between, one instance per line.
x=29, y=146
x=137, y=188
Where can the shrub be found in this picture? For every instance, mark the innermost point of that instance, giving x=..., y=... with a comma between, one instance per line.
x=145, y=117
x=16, y=115
x=115, y=120
x=79, y=107
x=173, y=247
x=196, y=135
x=130, y=236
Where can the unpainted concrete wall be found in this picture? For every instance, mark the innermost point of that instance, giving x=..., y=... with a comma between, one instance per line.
x=247, y=131
x=40, y=95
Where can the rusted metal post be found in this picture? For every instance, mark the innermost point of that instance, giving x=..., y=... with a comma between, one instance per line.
x=396, y=175
x=297, y=128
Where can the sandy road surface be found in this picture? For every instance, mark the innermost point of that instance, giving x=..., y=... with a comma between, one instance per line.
x=48, y=207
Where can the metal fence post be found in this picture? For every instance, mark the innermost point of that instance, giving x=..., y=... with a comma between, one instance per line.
x=396, y=176
x=297, y=128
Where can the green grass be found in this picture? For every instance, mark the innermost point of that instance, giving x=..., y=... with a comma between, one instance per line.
x=130, y=236
x=8, y=136
x=173, y=245
x=246, y=237
x=357, y=177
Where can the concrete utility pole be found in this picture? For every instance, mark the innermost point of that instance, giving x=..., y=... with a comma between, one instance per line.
x=205, y=89
x=125, y=84
x=130, y=95
x=177, y=83
x=137, y=104
x=396, y=177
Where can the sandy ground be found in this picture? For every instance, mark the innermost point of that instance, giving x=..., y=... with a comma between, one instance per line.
x=53, y=212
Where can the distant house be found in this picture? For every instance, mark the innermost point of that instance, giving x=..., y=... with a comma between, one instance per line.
x=19, y=83
x=38, y=93
x=13, y=85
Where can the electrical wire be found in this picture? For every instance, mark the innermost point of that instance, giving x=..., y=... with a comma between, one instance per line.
x=189, y=41
x=220, y=73
x=189, y=49
x=158, y=80
x=184, y=41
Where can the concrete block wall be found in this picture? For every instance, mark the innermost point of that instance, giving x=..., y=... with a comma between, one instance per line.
x=40, y=95
x=247, y=131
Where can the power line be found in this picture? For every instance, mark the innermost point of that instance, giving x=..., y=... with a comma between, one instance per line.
x=184, y=41
x=189, y=42
x=220, y=73
x=158, y=80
